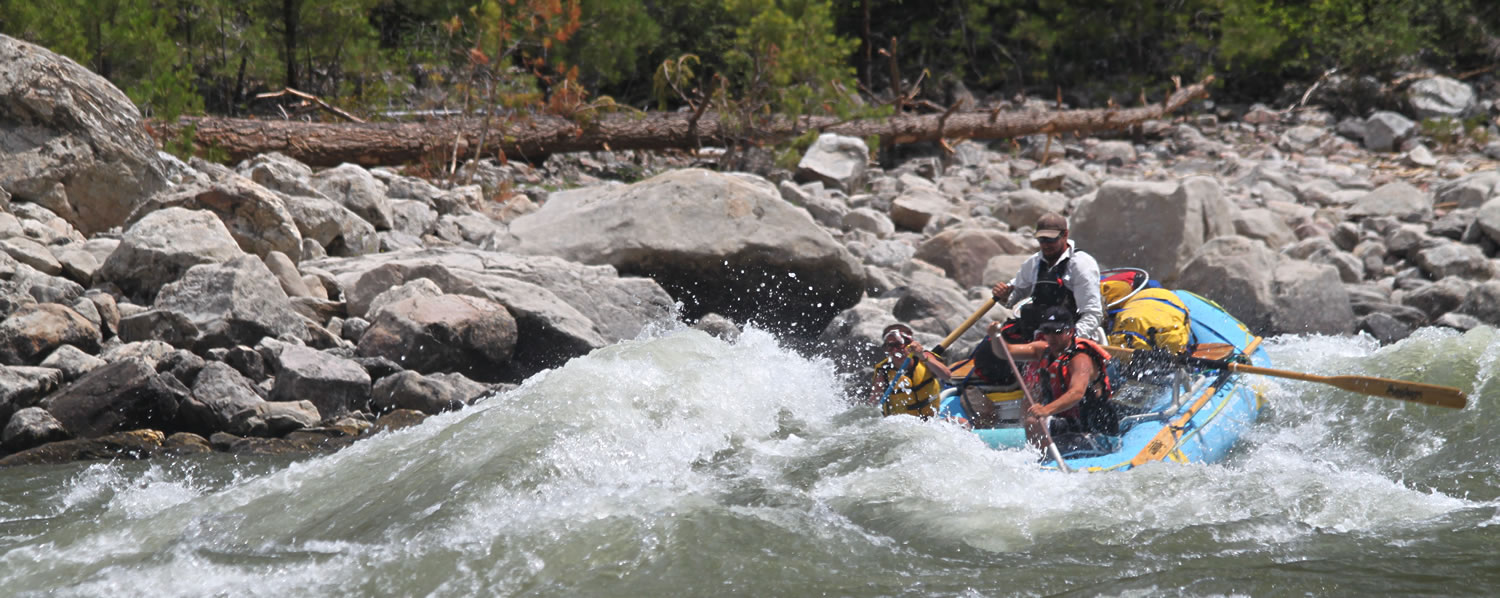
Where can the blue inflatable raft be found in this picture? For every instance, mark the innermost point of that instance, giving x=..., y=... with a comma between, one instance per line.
x=1193, y=415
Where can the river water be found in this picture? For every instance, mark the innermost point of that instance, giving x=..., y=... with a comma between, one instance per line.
x=677, y=464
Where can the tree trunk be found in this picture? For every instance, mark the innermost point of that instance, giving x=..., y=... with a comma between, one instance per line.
x=535, y=137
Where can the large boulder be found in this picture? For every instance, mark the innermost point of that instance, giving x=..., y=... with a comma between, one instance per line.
x=429, y=394
x=355, y=188
x=1269, y=292
x=1154, y=226
x=255, y=216
x=964, y=253
x=124, y=395
x=717, y=242
x=449, y=333
x=34, y=331
x=562, y=309
x=1440, y=97
x=71, y=141
x=161, y=246
x=333, y=384
x=221, y=305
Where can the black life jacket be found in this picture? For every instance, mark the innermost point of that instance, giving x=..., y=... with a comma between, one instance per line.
x=1095, y=411
x=1051, y=286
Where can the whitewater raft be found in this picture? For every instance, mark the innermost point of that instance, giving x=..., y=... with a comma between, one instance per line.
x=1190, y=414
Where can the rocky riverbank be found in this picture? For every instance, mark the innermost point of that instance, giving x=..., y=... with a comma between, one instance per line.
x=158, y=307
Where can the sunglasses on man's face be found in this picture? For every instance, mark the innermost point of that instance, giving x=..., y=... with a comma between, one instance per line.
x=1046, y=241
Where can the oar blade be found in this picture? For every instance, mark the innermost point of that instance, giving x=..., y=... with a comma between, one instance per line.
x=1416, y=392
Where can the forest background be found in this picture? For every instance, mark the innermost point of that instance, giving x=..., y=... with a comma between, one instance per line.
x=386, y=59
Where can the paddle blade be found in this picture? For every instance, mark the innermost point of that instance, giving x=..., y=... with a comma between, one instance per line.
x=1416, y=392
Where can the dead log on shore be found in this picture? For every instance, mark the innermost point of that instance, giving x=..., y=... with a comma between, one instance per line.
x=533, y=137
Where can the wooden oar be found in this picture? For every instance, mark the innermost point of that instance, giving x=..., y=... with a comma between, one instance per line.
x=1045, y=424
x=964, y=327
x=1416, y=392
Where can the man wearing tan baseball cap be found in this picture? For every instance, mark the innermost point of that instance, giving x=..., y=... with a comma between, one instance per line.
x=1058, y=275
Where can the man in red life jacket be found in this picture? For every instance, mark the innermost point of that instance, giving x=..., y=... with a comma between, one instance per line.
x=1074, y=388
x=1058, y=275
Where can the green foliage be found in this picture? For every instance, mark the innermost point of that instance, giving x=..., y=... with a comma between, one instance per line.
x=752, y=58
x=787, y=57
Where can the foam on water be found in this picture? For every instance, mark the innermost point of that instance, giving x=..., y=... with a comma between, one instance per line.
x=679, y=463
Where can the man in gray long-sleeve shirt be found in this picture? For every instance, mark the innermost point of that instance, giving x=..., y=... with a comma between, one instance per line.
x=1059, y=274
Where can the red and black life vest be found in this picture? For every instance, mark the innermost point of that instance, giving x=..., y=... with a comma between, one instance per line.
x=1094, y=412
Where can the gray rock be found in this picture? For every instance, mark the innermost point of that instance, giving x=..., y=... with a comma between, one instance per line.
x=1440, y=97
x=71, y=141
x=1488, y=219
x=1438, y=298
x=1021, y=209
x=163, y=245
x=1384, y=131
x=22, y=386
x=870, y=220
x=1399, y=200
x=1176, y=218
x=719, y=243
x=34, y=331
x=337, y=230
x=412, y=217
x=1062, y=177
x=1454, y=259
x=256, y=217
x=72, y=362
x=151, y=351
x=448, y=333
x=429, y=394
x=1469, y=191
x=123, y=395
x=837, y=161
x=30, y=427
x=964, y=253
x=1483, y=302
x=915, y=210
x=334, y=385
x=237, y=302
x=31, y=253
x=417, y=287
x=277, y=172
x=1270, y=293
x=135, y=444
x=222, y=400
x=827, y=211
x=77, y=263
x=286, y=274
x=355, y=188
x=1384, y=327
x=1265, y=225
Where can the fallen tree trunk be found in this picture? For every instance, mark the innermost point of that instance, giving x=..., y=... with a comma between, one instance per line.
x=535, y=136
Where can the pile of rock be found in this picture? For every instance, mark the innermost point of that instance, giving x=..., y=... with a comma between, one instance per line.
x=152, y=306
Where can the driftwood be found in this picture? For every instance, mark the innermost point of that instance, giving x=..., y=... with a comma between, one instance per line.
x=536, y=136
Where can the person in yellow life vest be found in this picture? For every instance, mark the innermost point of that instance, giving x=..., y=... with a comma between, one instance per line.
x=1074, y=392
x=1152, y=318
x=919, y=382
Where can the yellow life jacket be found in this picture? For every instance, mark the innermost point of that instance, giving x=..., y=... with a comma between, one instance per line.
x=916, y=394
x=1152, y=319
